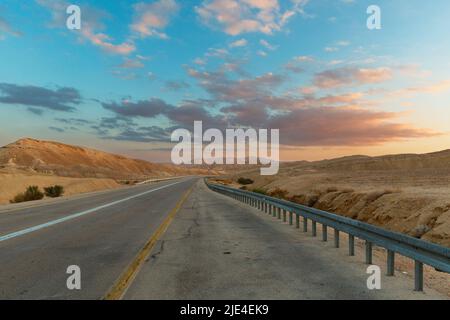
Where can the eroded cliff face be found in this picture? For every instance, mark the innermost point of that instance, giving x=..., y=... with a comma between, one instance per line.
x=408, y=193
x=427, y=218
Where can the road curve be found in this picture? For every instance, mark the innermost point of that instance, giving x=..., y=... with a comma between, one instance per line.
x=101, y=233
x=219, y=248
x=215, y=248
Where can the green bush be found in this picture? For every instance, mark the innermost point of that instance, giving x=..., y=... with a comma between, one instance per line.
x=245, y=181
x=54, y=191
x=32, y=193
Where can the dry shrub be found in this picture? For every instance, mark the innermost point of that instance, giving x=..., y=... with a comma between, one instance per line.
x=298, y=198
x=245, y=181
x=32, y=193
x=279, y=193
x=260, y=191
x=311, y=200
x=331, y=189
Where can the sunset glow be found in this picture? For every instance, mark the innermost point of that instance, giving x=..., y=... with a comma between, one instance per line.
x=136, y=71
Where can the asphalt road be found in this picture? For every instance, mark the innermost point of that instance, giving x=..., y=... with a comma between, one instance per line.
x=101, y=233
x=219, y=248
x=214, y=248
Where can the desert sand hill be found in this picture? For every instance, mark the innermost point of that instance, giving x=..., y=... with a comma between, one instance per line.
x=79, y=170
x=72, y=161
x=408, y=193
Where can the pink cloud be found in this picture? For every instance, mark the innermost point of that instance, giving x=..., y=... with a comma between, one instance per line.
x=435, y=88
x=151, y=18
x=235, y=17
x=351, y=76
x=331, y=126
x=91, y=24
x=102, y=40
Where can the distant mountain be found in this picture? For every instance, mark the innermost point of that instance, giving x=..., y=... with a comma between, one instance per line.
x=434, y=160
x=74, y=161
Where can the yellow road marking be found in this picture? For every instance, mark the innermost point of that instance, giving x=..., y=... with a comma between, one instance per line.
x=122, y=284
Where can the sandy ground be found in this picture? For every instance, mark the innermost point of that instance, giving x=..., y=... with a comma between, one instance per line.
x=13, y=183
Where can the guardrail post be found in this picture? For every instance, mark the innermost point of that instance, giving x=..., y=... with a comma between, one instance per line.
x=351, y=245
x=390, y=263
x=297, y=221
x=368, y=252
x=418, y=275
x=387, y=239
x=336, y=238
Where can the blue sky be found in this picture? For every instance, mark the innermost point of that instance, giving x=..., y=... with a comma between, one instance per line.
x=138, y=69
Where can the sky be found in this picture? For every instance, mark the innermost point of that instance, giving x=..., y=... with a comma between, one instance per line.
x=137, y=70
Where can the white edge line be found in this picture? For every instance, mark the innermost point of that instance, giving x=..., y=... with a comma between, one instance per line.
x=79, y=214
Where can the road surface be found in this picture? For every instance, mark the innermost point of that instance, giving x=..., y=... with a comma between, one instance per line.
x=214, y=248
x=102, y=242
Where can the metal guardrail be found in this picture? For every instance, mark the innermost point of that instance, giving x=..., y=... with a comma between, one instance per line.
x=160, y=180
x=422, y=252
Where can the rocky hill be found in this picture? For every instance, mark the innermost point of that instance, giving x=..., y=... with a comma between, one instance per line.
x=64, y=160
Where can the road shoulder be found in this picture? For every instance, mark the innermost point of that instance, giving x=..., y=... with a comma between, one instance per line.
x=218, y=248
